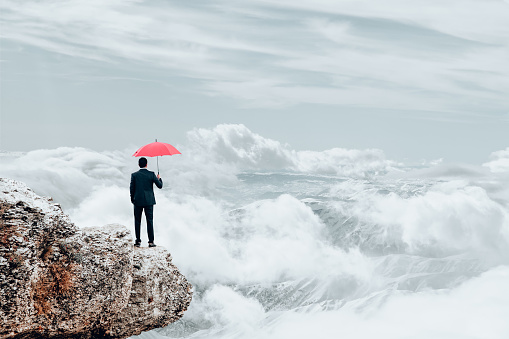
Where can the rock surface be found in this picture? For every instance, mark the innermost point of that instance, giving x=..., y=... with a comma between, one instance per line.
x=60, y=281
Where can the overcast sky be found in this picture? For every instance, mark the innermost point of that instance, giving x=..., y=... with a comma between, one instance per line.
x=417, y=79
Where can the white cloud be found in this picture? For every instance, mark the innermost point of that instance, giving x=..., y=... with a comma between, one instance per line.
x=238, y=146
x=210, y=159
x=267, y=53
x=499, y=161
x=452, y=229
x=476, y=309
x=451, y=218
x=67, y=174
x=469, y=19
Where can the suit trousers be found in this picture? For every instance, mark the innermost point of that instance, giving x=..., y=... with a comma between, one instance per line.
x=149, y=216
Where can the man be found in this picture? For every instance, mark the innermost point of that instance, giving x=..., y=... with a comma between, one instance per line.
x=142, y=197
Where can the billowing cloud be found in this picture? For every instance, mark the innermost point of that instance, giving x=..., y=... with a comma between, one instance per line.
x=307, y=249
x=499, y=161
x=239, y=146
x=211, y=158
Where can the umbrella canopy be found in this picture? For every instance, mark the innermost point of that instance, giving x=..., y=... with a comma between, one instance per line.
x=156, y=149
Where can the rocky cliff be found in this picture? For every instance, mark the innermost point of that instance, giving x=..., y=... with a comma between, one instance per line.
x=60, y=281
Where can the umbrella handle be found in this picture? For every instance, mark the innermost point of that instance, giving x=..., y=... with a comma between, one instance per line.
x=157, y=163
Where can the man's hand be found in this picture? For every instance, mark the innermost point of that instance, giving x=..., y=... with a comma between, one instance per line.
x=158, y=177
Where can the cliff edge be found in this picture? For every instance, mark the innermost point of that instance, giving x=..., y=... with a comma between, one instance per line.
x=60, y=281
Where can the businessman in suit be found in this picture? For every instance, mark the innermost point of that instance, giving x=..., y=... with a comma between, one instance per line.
x=142, y=197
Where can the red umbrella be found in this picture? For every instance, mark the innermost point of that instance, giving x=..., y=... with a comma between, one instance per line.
x=156, y=149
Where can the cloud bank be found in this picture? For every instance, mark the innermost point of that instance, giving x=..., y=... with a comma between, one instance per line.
x=211, y=158
x=278, y=265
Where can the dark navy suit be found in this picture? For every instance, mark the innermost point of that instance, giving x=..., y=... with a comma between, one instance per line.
x=142, y=197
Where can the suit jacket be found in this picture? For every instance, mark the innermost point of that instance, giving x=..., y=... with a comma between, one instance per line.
x=142, y=188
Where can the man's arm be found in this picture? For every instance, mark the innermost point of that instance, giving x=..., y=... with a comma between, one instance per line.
x=158, y=181
x=132, y=188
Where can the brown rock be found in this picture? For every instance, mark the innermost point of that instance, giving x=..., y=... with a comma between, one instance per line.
x=59, y=281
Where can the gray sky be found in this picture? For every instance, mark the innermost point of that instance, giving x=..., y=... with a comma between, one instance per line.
x=417, y=79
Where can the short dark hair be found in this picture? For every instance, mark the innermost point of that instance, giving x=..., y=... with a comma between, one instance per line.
x=142, y=162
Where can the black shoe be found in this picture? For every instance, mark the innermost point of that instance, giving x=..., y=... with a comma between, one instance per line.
x=151, y=244
x=137, y=244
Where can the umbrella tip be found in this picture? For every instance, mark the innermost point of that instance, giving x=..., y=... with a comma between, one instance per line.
x=156, y=139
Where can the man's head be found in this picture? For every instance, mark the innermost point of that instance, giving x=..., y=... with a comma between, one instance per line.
x=142, y=162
